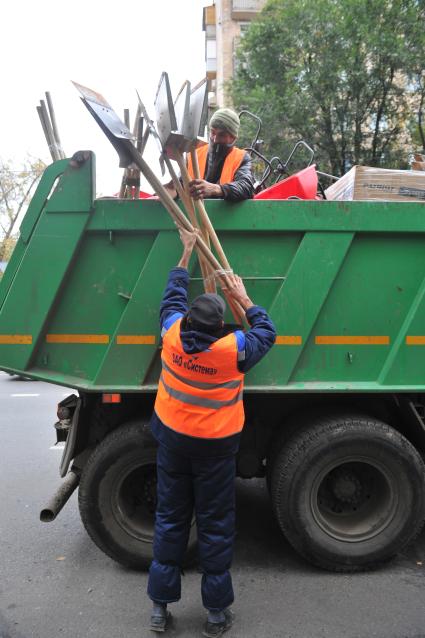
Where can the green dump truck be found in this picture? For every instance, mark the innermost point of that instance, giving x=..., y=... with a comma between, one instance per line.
x=335, y=414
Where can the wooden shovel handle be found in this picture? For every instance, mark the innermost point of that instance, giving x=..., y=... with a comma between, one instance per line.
x=190, y=210
x=205, y=220
x=237, y=310
x=182, y=221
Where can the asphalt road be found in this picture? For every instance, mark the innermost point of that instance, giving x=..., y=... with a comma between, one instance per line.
x=54, y=583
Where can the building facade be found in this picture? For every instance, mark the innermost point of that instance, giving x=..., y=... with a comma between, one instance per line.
x=224, y=23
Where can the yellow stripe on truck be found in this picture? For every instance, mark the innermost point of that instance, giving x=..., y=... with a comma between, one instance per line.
x=352, y=340
x=16, y=339
x=125, y=340
x=415, y=340
x=288, y=340
x=62, y=338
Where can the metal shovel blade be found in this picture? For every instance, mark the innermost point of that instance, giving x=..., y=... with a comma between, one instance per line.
x=164, y=108
x=115, y=130
x=150, y=127
x=198, y=109
x=166, y=120
x=182, y=111
x=108, y=116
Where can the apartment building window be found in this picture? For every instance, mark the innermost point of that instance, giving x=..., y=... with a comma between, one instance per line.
x=246, y=5
x=246, y=9
x=211, y=55
x=243, y=27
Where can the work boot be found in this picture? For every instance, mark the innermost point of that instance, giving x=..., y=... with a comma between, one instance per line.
x=217, y=623
x=159, y=617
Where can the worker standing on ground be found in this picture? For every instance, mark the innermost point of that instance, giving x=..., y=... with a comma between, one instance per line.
x=226, y=170
x=197, y=422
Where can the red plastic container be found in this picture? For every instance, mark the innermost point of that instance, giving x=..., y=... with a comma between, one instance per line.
x=144, y=195
x=302, y=185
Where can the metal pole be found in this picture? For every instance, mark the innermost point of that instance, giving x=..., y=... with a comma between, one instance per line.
x=139, y=135
x=44, y=125
x=60, y=497
x=54, y=125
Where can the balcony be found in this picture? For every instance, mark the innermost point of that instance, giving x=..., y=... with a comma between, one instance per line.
x=246, y=9
x=208, y=17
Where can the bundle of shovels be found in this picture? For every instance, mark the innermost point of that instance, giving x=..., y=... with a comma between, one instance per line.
x=179, y=124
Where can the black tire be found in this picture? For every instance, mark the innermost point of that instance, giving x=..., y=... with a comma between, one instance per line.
x=117, y=496
x=348, y=492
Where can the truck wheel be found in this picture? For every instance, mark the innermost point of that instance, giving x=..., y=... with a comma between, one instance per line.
x=348, y=492
x=117, y=496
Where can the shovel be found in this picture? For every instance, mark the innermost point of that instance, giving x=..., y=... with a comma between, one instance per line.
x=173, y=124
x=192, y=127
x=121, y=139
x=192, y=110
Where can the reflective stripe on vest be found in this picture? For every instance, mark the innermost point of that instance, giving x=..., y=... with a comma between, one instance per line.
x=201, y=394
x=231, y=164
x=203, y=385
x=195, y=400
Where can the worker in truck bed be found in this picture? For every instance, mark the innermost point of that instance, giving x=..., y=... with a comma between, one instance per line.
x=226, y=170
x=197, y=422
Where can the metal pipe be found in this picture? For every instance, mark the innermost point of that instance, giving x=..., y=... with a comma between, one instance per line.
x=141, y=147
x=136, y=125
x=60, y=497
x=49, y=128
x=54, y=125
x=139, y=134
x=50, y=143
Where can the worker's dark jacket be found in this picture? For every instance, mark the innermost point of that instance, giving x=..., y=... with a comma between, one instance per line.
x=242, y=186
x=196, y=473
x=252, y=346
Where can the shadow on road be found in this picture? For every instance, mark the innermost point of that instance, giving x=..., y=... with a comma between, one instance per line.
x=259, y=541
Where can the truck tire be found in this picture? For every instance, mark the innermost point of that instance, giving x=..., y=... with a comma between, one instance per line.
x=348, y=492
x=117, y=496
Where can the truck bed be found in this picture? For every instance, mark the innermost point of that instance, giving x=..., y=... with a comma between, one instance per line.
x=343, y=281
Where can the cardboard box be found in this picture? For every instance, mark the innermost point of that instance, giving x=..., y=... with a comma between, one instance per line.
x=378, y=184
x=418, y=166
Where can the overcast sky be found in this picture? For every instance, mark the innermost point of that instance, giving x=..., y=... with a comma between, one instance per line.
x=113, y=48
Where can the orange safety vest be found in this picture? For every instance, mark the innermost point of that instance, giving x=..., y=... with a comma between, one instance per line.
x=200, y=394
x=231, y=164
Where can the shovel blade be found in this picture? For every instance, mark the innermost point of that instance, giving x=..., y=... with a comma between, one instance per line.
x=164, y=108
x=114, y=129
x=199, y=109
x=182, y=111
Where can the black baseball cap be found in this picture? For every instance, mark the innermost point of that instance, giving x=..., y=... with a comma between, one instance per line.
x=206, y=312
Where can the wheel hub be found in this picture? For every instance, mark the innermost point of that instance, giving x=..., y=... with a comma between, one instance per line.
x=134, y=500
x=149, y=493
x=354, y=500
x=346, y=487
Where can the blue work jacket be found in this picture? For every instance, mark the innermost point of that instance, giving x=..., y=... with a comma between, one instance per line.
x=253, y=345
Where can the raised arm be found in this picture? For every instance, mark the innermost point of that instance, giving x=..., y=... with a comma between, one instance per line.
x=174, y=301
x=262, y=334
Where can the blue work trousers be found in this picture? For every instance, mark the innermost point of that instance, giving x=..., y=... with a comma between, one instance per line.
x=206, y=485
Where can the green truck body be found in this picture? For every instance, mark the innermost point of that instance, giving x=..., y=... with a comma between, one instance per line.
x=344, y=283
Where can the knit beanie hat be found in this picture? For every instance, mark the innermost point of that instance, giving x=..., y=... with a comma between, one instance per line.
x=227, y=120
x=206, y=312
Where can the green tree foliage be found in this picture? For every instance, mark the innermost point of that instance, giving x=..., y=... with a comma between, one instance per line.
x=16, y=185
x=345, y=75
